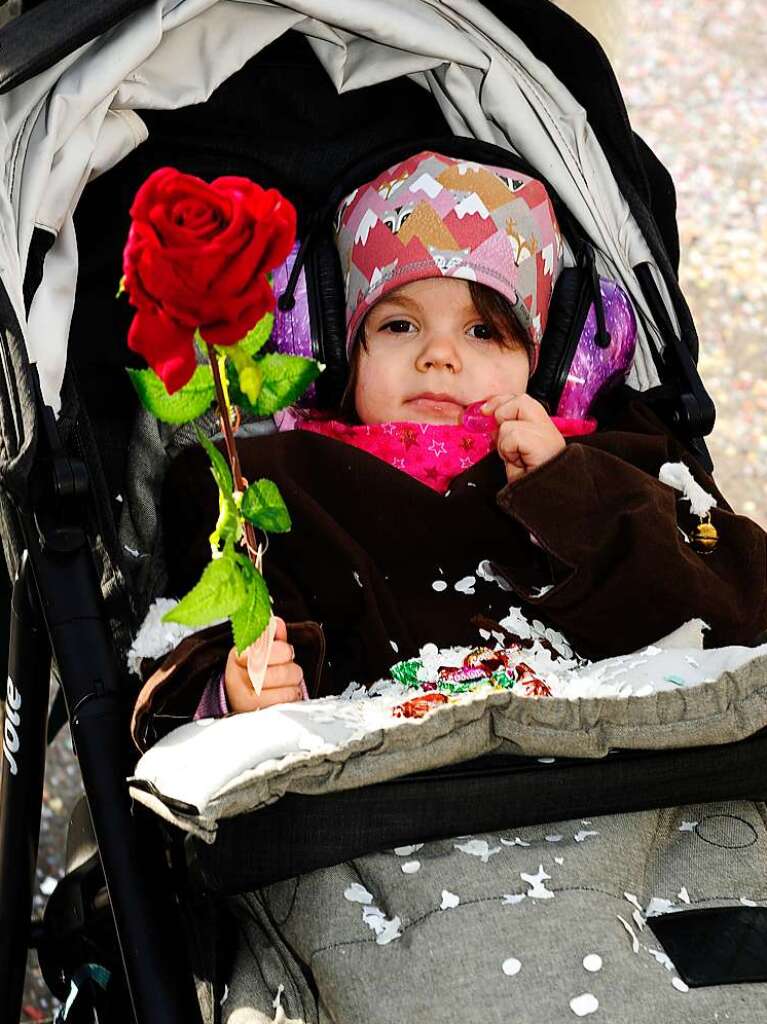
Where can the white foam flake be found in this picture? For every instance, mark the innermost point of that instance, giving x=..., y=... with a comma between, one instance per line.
x=478, y=848
x=683, y=894
x=638, y=920
x=516, y=841
x=386, y=930
x=747, y=902
x=486, y=572
x=584, y=833
x=584, y=1004
x=511, y=899
x=555, y=837
x=439, y=585
x=680, y=985
x=357, y=578
x=538, y=890
x=465, y=585
x=592, y=962
x=559, y=860
x=546, y=760
x=394, y=647
x=688, y=826
x=408, y=851
x=632, y=933
x=410, y=867
x=449, y=900
x=511, y=966
x=356, y=893
x=537, y=592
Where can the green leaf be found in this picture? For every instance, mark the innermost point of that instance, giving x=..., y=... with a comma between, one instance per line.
x=285, y=380
x=263, y=506
x=219, y=467
x=220, y=592
x=252, y=617
x=255, y=340
x=184, y=405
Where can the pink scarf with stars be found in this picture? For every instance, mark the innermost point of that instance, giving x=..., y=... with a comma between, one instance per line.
x=433, y=453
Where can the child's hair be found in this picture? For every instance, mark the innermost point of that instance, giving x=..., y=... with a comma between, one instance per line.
x=494, y=309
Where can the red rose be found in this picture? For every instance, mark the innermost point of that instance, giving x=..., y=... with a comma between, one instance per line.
x=197, y=256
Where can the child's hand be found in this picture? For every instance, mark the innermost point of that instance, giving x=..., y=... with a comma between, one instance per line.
x=526, y=436
x=282, y=682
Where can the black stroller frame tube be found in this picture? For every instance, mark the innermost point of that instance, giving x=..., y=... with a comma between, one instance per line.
x=23, y=766
x=146, y=919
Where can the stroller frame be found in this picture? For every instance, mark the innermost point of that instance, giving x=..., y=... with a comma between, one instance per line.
x=57, y=613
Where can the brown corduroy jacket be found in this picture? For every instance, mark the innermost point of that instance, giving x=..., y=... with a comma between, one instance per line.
x=369, y=542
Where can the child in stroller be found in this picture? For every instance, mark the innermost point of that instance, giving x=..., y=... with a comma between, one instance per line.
x=582, y=531
x=394, y=494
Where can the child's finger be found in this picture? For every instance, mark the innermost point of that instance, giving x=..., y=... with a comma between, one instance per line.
x=521, y=407
x=281, y=653
x=280, y=695
x=283, y=675
x=281, y=631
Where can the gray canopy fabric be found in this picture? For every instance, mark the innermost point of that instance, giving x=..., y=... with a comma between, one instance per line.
x=76, y=120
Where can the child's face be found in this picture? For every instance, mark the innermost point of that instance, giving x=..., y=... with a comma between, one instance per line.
x=429, y=354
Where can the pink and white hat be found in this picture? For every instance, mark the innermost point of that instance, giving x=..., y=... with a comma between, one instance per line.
x=433, y=215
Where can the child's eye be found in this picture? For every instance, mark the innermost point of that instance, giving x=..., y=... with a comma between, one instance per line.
x=483, y=331
x=398, y=326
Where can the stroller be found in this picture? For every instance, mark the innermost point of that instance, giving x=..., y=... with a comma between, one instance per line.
x=269, y=90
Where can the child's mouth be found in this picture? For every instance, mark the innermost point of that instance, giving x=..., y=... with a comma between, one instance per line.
x=440, y=404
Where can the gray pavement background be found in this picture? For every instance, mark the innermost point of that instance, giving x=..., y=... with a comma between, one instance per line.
x=694, y=78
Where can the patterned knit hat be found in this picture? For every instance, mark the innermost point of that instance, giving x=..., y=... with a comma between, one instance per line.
x=434, y=215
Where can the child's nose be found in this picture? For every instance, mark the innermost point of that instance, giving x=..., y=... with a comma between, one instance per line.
x=439, y=351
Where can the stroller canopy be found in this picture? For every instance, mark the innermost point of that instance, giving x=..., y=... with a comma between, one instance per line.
x=77, y=118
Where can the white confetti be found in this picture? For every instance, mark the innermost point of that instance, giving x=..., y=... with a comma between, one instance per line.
x=357, y=578
x=465, y=585
x=688, y=826
x=683, y=894
x=554, y=838
x=119, y=497
x=408, y=851
x=225, y=996
x=540, y=591
x=592, y=962
x=511, y=966
x=663, y=958
x=632, y=933
x=478, y=848
x=638, y=920
x=584, y=834
x=439, y=585
x=584, y=1004
x=47, y=886
x=385, y=930
x=559, y=860
x=510, y=899
x=633, y=901
x=514, y=842
x=748, y=903
x=485, y=634
x=547, y=760
x=584, y=822
x=449, y=900
x=357, y=893
x=410, y=867
x=679, y=985
x=659, y=905
x=132, y=551
x=394, y=646
x=276, y=1002
x=538, y=890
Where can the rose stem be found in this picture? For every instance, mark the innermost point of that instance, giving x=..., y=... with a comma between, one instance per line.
x=231, y=447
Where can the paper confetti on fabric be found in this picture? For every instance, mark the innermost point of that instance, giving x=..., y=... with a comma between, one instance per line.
x=538, y=890
x=592, y=962
x=449, y=900
x=511, y=966
x=357, y=893
x=584, y=1004
x=410, y=867
x=385, y=930
x=632, y=933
